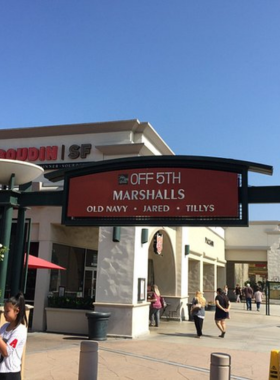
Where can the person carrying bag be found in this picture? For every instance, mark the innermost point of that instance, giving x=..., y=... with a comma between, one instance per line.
x=198, y=312
x=155, y=306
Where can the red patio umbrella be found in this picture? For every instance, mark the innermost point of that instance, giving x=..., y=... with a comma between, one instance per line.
x=38, y=263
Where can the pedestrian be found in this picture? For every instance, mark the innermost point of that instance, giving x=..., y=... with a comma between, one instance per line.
x=13, y=335
x=226, y=290
x=237, y=292
x=258, y=298
x=155, y=306
x=222, y=311
x=248, y=292
x=198, y=312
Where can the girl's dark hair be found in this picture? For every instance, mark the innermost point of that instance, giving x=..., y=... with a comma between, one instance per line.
x=18, y=302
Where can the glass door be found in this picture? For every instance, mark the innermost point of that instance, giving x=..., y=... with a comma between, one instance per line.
x=90, y=282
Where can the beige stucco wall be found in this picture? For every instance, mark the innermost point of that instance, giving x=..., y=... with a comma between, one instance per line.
x=253, y=242
x=259, y=242
x=257, y=236
x=249, y=255
x=207, y=262
x=121, y=264
x=197, y=236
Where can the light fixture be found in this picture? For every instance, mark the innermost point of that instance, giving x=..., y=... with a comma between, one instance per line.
x=144, y=235
x=209, y=242
x=117, y=234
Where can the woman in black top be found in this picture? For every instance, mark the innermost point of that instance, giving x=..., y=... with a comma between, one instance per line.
x=237, y=292
x=222, y=310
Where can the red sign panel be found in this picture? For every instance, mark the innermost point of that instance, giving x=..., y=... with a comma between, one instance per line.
x=154, y=192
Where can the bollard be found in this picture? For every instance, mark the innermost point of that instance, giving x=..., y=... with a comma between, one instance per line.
x=220, y=366
x=274, y=372
x=88, y=366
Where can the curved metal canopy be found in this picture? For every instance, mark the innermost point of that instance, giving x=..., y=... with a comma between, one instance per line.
x=24, y=171
x=179, y=160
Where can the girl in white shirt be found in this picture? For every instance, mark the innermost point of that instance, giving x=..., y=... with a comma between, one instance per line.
x=258, y=298
x=13, y=336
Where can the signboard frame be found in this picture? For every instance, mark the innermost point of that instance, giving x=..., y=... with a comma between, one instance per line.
x=214, y=164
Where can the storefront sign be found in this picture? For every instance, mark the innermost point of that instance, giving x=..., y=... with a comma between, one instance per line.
x=154, y=193
x=50, y=157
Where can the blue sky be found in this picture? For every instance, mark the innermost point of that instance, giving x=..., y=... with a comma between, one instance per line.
x=205, y=74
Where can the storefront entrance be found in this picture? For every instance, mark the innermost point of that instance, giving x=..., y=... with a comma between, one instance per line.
x=241, y=272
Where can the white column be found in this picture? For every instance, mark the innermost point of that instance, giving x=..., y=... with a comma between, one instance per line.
x=120, y=264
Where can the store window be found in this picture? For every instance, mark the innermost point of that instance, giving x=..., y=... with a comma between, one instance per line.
x=90, y=274
x=91, y=258
x=75, y=280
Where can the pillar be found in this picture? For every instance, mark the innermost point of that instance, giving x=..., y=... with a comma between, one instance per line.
x=6, y=236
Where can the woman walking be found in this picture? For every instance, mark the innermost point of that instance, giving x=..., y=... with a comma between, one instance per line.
x=198, y=312
x=258, y=298
x=222, y=311
x=155, y=306
x=238, y=292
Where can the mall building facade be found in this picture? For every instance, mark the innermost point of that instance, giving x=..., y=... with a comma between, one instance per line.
x=115, y=266
x=253, y=253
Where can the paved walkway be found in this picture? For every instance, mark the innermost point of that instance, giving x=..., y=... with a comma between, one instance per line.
x=169, y=352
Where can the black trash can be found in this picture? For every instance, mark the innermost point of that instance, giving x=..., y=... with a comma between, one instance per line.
x=97, y=325
x=190, y=313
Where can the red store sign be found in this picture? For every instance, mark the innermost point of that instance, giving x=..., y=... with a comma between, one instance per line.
x=154, y=192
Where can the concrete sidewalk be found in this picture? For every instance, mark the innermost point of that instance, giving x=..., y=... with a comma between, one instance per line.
x=171, y=351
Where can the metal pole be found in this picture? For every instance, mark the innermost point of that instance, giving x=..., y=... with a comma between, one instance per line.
x=18, y=253
x=267, y=298
x=88, y=366
x=6, y=237
x=220, y=366
x=24, y=277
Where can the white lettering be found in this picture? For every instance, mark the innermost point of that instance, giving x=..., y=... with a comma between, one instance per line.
x=95, y=208
x=117, y=195
x=116, y=208
x=138, y=178
x=200, y=208
x=158, y=208
x=168, y=177
x=142, y=195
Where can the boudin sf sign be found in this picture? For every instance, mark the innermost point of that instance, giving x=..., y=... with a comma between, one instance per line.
x=49, y=157
x=155, y=191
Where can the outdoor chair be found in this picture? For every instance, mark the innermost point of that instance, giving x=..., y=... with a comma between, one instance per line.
x=171, y=313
